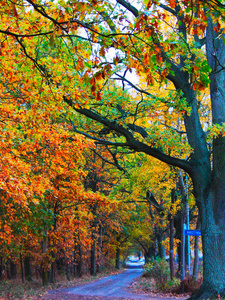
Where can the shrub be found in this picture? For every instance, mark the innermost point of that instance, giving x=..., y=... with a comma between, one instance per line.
x=188, y=285
x=159, y=270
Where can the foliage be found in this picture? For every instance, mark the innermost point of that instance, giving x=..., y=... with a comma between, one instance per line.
x=56, y=65
x=188, y=285
x=159, y=270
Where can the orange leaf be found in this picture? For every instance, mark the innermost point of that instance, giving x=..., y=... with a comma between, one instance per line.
x=172, y=3
x=92, y=81
x=98, y=98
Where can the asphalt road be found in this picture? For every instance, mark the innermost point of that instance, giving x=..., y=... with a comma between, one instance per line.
x=111, y=287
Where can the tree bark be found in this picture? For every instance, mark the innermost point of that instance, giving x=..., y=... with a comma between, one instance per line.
x=21, y=267
x=117, y=257
x=44, y=250
x=93, y=259
x=196, y=251
x=210, y=197
x=172, y=266
x=27, y=268
x=13, y=269
x=213, y=238
x=1, y=268
x=52, y=271
x=80, y=262
x=162, y=251
x=93, y=237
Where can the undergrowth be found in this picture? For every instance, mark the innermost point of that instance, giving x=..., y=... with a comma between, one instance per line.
x=159, y=271
x=14, y=289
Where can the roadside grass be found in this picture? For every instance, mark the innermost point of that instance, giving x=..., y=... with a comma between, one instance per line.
x=14, y=289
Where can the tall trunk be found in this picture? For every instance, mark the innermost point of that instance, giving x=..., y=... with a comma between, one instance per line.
x=179, y=253
x=80, y=262
x=52, y=272
x=196, y=251
x=213, y=239
x=172, y=266
x=210, y=199
x=178, y=225
x=1, y=268
x=27, y=268
x=100, y=258
x=93, y=259
x=68, y=271
x=93, y=237
x=13, y=269
x=149, y=253
x=181, y=222
x=21, y=267
x=44, y=250
x=162, y=251
x=118, y=257
x=75, y=274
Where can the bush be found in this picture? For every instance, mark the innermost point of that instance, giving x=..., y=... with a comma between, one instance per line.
x=159, y=270
x=188, y=285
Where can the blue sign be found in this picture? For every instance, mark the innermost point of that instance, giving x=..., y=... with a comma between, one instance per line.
x=192, y=232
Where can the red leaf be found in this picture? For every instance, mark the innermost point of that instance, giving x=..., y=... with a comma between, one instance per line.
x=98, y=98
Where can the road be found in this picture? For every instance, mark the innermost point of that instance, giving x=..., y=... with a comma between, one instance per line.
x=111, y=287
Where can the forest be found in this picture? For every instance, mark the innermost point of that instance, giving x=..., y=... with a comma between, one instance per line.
x=112, y=136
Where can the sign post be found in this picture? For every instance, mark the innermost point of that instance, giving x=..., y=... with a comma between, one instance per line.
x=183, y=258
x=187, y=232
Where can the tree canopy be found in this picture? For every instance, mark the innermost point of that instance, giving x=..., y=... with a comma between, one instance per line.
x=64, y=58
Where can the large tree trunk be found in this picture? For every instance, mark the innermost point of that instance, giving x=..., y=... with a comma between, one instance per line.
x=213, y=238
x=196, y=251
x=211, y=201
x=162, y=251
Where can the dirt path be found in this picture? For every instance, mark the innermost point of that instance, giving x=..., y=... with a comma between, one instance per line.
x=110, y=288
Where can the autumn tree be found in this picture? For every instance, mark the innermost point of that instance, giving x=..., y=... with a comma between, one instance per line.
x=176, y=41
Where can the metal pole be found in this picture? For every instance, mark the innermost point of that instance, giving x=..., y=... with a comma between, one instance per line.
x=188, y=237
x=183, y=257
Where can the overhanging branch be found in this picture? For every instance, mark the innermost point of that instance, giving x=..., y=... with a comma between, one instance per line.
x=129, y=7
x=131, y=141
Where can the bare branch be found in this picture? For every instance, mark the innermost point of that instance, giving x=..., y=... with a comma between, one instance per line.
x=138, y=129
x=151, y=199
x=122, y=78
x=115, y=163
x=174, y=129
x=132, y=142
x=129, y=7
x=7, y=32
x=169, y=9
x=99, y=141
